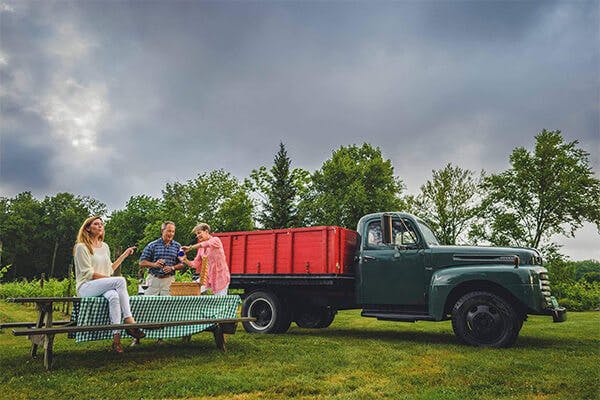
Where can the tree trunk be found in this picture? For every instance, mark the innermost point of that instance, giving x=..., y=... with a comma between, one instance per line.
x=53, y=259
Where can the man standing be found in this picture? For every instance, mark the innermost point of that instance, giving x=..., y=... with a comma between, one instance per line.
x=160, y=256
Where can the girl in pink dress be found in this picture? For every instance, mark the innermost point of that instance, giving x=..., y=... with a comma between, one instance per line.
x=211, y=247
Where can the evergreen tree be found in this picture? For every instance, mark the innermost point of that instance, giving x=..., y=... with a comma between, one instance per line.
x=280, y=188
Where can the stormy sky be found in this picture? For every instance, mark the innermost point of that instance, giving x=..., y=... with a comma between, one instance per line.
x=113, y=99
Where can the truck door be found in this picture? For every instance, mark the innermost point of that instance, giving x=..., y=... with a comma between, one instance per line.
x=394, y=273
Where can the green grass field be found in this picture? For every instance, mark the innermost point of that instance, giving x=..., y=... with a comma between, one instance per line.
x=356, y=358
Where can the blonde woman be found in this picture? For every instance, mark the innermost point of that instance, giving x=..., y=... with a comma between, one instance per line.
x=211, y=247
x=93, y=270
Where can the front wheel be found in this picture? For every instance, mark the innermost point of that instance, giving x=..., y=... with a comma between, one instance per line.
x=486, y=320
x=271, y=313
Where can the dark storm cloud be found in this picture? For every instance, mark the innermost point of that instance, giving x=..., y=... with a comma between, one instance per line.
x=23, y=165
x=166, y=90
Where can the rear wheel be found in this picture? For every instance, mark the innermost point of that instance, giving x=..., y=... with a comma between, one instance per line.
x=486, y=320
x=271, y=313
x=315, y=317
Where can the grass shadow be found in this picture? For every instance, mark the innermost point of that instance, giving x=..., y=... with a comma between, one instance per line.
x=420, y=337
x=74, y=358
x=381, y=335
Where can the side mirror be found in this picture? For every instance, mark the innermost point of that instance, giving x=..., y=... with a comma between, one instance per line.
x=386, y=228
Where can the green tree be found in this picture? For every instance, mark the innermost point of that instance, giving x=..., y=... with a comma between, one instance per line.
x=63, y=215
x=280, y=189
x=355, y=181
x=550, y=191
x=126, y=227
x=449, y=202
x=216, y=198
x=38, y=236
x=23, y=243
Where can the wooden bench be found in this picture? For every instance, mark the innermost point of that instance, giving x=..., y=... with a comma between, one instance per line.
x=43, y=331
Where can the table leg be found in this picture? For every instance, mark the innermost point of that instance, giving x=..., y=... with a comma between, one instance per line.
x=219, y=337
x=40, y=322
x=49, y=340
x=48, y=356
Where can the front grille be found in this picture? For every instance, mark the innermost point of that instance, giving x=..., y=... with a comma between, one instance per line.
x=545, y=288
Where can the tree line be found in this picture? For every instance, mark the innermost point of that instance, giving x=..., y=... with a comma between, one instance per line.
x=549, y=190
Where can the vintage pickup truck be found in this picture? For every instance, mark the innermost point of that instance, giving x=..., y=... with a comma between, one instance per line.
x=393, y=268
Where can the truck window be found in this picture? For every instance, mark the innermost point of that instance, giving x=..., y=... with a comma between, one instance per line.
x=374, y=235
x=404, y=237
x=428, y=235
x=400, y=235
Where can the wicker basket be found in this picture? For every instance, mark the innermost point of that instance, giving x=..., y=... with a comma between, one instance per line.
x=184, y=289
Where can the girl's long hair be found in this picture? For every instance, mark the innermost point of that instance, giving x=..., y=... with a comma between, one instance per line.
x=83, y=236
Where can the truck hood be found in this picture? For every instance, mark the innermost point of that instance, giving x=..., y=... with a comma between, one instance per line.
x=447, y=256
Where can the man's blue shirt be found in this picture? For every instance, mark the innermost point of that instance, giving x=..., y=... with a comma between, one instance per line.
x=156, y=250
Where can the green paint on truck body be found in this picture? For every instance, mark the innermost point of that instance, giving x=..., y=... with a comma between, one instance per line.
x=415, y=271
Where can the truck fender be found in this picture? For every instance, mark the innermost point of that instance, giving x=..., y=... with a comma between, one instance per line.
x=507, y=281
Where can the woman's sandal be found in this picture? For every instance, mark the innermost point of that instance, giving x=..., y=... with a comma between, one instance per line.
x=135, y=332
x=116, y=347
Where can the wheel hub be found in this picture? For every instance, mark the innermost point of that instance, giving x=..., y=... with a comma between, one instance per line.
x=484, y=323
x=262, y=311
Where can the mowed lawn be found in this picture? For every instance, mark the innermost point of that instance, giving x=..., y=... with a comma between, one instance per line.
x=356, y=358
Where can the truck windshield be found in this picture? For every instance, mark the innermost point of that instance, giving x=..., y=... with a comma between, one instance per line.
x=428, y=235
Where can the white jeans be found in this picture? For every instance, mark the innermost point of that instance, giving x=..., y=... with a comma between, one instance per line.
x=114, y=289
x=158, y=286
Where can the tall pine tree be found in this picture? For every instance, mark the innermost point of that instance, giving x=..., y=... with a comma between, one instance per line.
x=279, y=188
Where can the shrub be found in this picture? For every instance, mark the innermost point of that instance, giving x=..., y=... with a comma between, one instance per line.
x=579, y=296
x=52, y=288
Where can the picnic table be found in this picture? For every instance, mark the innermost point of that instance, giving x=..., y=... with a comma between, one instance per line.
x=159, y=317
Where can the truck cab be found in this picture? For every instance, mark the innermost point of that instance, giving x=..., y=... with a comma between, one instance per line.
x=404, y=274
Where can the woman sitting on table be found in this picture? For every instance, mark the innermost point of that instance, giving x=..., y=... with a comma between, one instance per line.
x=93, y=270
x=211, y=247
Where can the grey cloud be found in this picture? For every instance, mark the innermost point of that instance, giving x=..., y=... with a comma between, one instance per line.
x=23, y=165
x=193, y=86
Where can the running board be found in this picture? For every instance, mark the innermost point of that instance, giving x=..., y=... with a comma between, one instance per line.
x=388, y=316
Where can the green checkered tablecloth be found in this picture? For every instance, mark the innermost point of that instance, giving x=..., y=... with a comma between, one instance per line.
x=94, y=311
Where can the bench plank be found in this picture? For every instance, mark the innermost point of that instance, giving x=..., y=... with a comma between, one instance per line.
x=7, y=325
x=145, y=325
x=43, y=299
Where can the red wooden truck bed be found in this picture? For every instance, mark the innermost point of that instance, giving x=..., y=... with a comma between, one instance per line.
x=293, y=251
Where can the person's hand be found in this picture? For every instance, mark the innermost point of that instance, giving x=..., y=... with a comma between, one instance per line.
x=168, y=269
x=159, y=263
x=186, y=248
x=183, y=259
x=129, y=251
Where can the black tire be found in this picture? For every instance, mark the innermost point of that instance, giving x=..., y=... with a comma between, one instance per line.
x=285, y=320
x=315, y=317
x=486, y=320
x=271, y=313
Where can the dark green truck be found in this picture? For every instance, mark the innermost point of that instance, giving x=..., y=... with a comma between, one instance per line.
x=397, y=271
